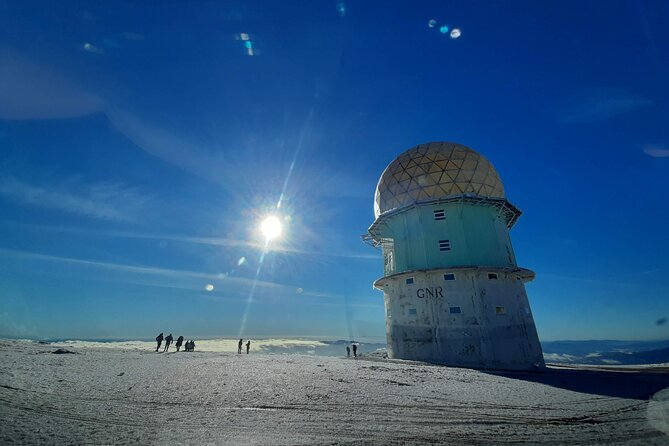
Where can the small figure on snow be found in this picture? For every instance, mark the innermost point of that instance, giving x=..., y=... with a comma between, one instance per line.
x=159, y=340
x=168, y=341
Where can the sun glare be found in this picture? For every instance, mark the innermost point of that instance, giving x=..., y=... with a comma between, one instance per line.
x=271, y=227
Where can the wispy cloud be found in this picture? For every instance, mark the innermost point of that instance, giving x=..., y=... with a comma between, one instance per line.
x=104, y=201
x=218, y=165
x=29, y=90
x=600, y=104
x=211, y=241
x=122, y=267
x=32, y=90
x=656, y=150
x=151, y=271
x=171, y=148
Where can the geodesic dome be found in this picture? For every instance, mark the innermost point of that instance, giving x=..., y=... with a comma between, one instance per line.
x=435, y=170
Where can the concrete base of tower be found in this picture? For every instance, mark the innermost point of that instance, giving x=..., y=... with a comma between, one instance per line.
x=475, y=317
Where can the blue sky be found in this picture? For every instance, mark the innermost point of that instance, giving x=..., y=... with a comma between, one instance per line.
x=141, y=144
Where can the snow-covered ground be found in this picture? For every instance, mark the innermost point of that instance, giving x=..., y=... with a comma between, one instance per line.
x=118, y=396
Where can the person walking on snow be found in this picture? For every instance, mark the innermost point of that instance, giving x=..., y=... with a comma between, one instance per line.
x=180, y=340
x=239, y=346
x=248, y=346
x=168, y=341
x=159, y=340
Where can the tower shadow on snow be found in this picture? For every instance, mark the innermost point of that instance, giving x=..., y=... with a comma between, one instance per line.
x=634, y=383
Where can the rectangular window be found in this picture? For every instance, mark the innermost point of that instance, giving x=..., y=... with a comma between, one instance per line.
x=440, y=215
x=409, y=281
x=412, y=312
x=454, y=310
x=492, y=276
x=449, y=276
x=444, y=245
x=500, y=310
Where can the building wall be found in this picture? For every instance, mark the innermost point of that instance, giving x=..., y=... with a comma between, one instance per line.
x=477, y=236
x=472, y=321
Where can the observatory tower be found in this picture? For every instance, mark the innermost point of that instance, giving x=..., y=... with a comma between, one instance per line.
x=452, y=289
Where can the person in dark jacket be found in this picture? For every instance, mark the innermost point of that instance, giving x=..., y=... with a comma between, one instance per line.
x=355, y=351
x=168, y=341
x=180, y=340
x=159, y=340
x=239, y=346
x=248, y=346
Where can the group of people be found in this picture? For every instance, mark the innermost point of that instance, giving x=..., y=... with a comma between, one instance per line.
x=189, y=347
x=239, y=346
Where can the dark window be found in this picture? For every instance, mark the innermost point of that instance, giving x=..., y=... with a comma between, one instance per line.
x=440, y=215
x=409, y=281
x=444, y=245
x=412, y=311
x=454, y=310
x=449, y=276
x=500, y=310
x=492, y=276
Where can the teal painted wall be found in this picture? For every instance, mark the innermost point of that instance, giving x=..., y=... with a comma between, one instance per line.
x=478, y=237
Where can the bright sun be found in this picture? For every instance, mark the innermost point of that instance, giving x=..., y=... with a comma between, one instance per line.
x=271, y=227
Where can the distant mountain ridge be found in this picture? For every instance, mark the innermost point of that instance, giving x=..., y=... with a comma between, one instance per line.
x=607, y=352
x=590, y=352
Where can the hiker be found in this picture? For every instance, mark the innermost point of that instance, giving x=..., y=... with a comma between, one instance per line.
x=159, y=340
x=168, y=341
x=180, y=340
x=348, y=351
x=248, y=346
x=355, y=350
x=192, y=345
x=187, y=346
x=239, y=346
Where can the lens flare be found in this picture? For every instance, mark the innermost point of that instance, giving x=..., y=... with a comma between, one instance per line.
x=444, y=29
x=455, y=33
x=89, y=47
x=341, y=9
x=432, y=23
